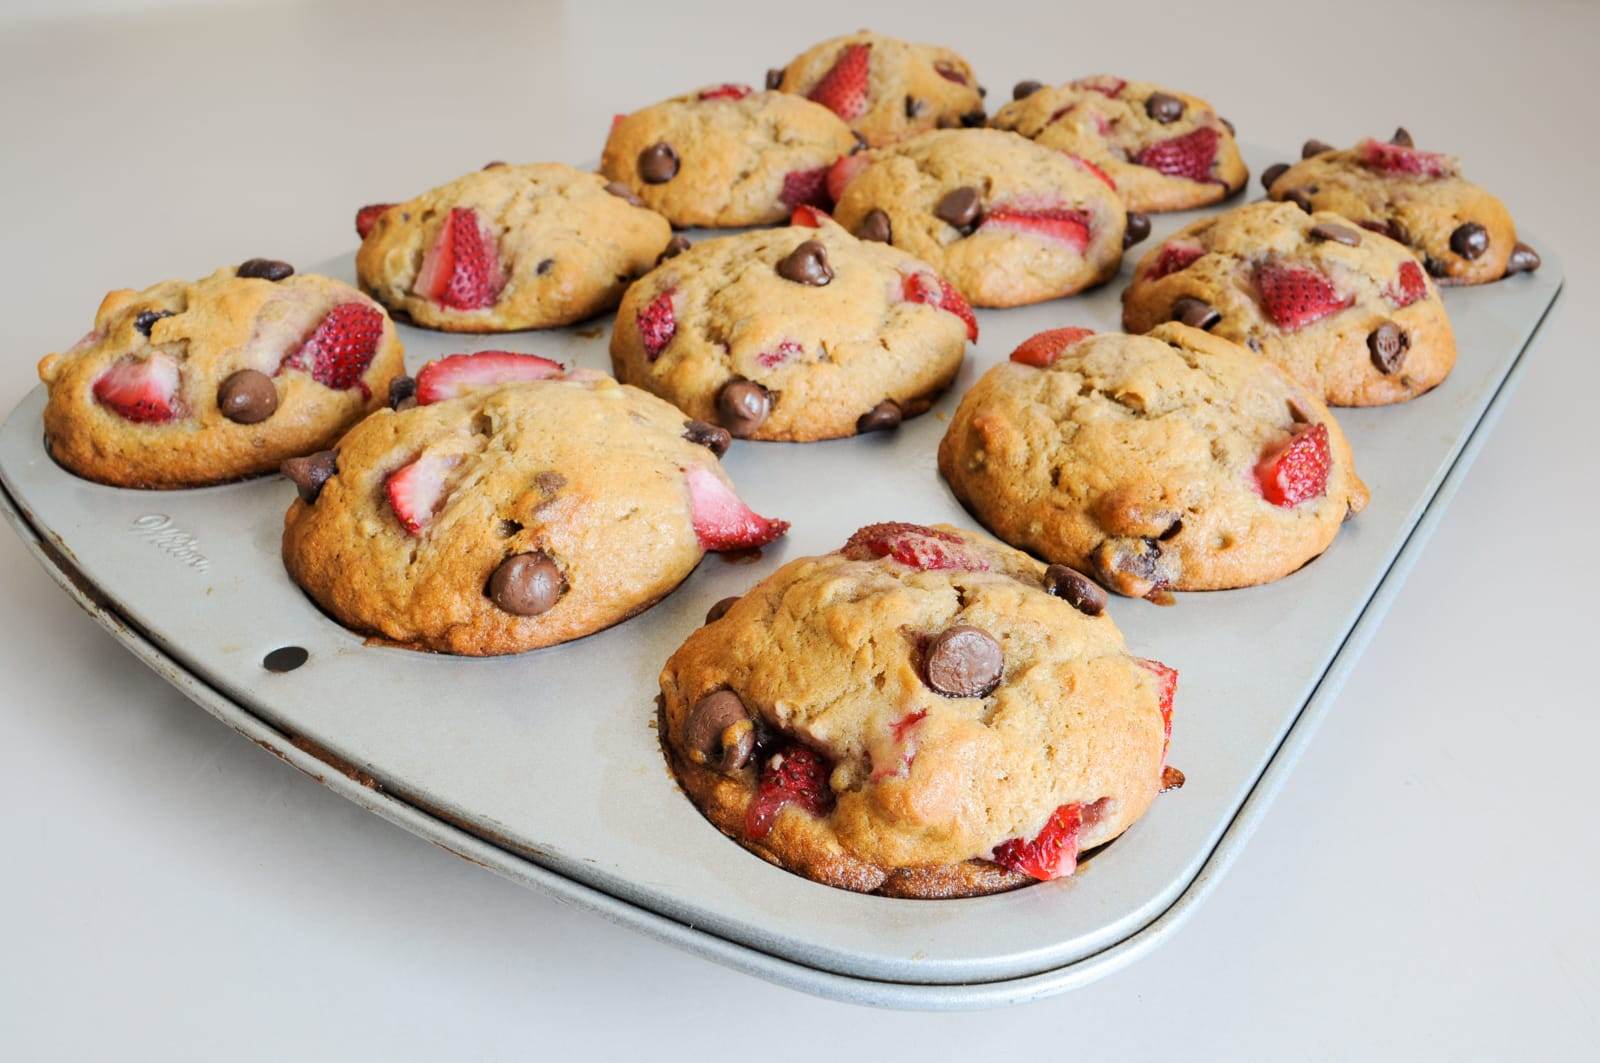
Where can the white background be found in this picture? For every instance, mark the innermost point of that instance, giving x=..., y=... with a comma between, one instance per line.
x=1423, y=889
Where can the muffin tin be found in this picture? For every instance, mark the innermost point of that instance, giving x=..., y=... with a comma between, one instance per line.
x=546, y=768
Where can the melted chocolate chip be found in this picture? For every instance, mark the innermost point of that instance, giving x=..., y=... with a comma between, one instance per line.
x=861, y=141
x=743, y=405
x=286, y=658
x=310, y=473
x=147, y=319
x=1435, y=268
x=1402, y=138
x=1023, y=89
x=960, y=207
x=247, y=397
x=1164, y=107
x=1272, y=173
x=495, y=165
x=712, y=437
x=1299, y=198
x=1388, y=344
x=973, y=120
x=267, y=269
x=1314, y=147
x=675, y=247
x=720, y=609
x=950, y=72
x=1524, y=259
x=402, y=388
x=964, y=662
x=881, y=418
x=807, y=264
x=1470, y=240
x=875, y=226
x=1076, y=589
x=658, y=164
x=718, y=732
x=914, y=106
x=1138, y=229
x=526, y=584
x=774, y=77
x=1195, y=312
x=545, y=266
x=1336, y=233
x=622, y=191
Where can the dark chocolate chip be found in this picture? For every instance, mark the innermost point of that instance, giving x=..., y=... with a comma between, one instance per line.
x=1469, y=240
x=774, y=77
x=1164, y=107
x=1078, y=590
x=1138, y=229
x=495, y=165
x=1314, y=147
x=1023, y=89
x=1195, y=312
x=1524, y=259
x=1388, y=344
x=267, y=269
x=861, y=141
x=147, y=319
x=881, y=418
x=658, y=164
x=401, y=388
x=875, y=226
x=247, y=397
x=286, y=658
x=549, y=482
x=622, y=191
x=973, y=120
x=964, y=662
x=807, y=264
x=914, y=106
x=545, y=266
x=1336, y=233
x=526, y=584
x=718, y=732
x=713, y=437
x=1299, y=198
x=1390, y=228
x=1403, y=138
x=743, y=405
x=1232, y=132
x=960, y=207
x=950, y=72
x=982, y=92
x=720, y=609
x=675, y=247
x=1173, y=531
x=1434, y=267
x=311, y=472
x=1272, y=173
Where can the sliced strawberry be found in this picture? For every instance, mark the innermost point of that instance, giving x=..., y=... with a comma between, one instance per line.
x=843, y=89
x=785, y=350
x=1104, y=84
x=367, y=217
x=727, y=91
x=144, y=390
x=1052, y=853
x=417, y=490
x=1069, y=226
x=913, y=545
x=1043, y=348
x=1396, y=158
x=805, y=188
x=461, y=270
x=1167, y=685
x=808, y=217
x=340, y=348
x=1297, y=470
x=658, y=323
x=1409, y=286
x=793, y=775
x=721, y=520
x=1175, y=256
x=1190, y=155
x=1084, y=164
x=446, y=378
x=1295, y=296
x=843, y=171
x=936, y=291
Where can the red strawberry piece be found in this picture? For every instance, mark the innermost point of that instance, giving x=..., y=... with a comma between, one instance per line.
x=367, y=217
x=1295, y=296
x=1084, y=164
x=794, y=775
x=340, y=348
x=1052, y=853
x=1043, y=348
x=1104, y=84
x=1167, y=686
x=906, y=752
x=658, y=323
x=843, y=89
x=843, y=171
x=461, y=270
x=416, y=491
x=727, y=91
x=446, y=378
x=1069, y=226
x=616, y=120
x=805, y=187
x=1190, y=155
x=904, y=724
x=936, y=291
x=1396, y=158
x=913, y=545
x=1061, y=112
x=1298, y=469
x=144, y=390
x=785, y=350
x=808, y=217
x=1176, y=255
x=721, y=520
x=1409, y=286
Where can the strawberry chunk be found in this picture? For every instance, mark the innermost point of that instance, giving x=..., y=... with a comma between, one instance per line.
x=1297, y=470
x=1190, y=155
x=416, y=491
x=461, y=270
x=721, y=520
x=843, y=89
x=1084, y=164
x=794, y=775
x=905, y=750
x=340, y=348
x=843, y=171
x=1104, y=84
x=1167, y=686
x=727, y=91
x=915, y=546
x=1396, y=158
x=936, y=291
x=805, y=188
x=808, y=217
x=367, y=217
x=143, y=390
x=447, y=378
x=1175, y=256
x=1409, y=285
x=1069, y=226
x=1295, y=296
x=1052, y=853
x=785, y=350
x=658, y=323
x=1043, y=348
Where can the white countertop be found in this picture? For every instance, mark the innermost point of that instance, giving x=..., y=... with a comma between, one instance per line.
x=1422, y=889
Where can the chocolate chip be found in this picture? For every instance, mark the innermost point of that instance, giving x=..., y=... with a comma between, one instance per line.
x=964, y=662
x=267, y=269
x=774, y=78
x=1390, y=228
x=1299, y=198
x=310, y=473
x=743, y=405
x=982, y=92
x=875, y=226
x=147, y=319
x=1314, y=147
x=658, y=164
x=286, y=658
x=807, y=264
x=960, y=207
x=1402, y=138
x=1232, y=132
x=545, y=266
x=914, y=106
x=1272, y=173
x=675, y=247
x=712, y=437
x=974, y=120
x=1164, y=107
x=495, y=165
x=950, y=72
x=1388, y=343
x=401, y=388
x=622, y=191
x=718, y=732
x=526, y=584
x=247, y=397
x=1023, y=89
x=720, y=609
x=881, y=418
x=1336, y=233
x=1138, y=229
x=1434, y=267
x=1196, y=313
x=1469, y=240
x=861, y=141
x=1076, y=589
x=1524, y=259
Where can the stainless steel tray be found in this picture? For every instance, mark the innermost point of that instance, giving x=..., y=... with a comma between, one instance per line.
x=545, y=767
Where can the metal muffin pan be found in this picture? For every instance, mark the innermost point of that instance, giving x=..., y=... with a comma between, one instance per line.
x=546, y=768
